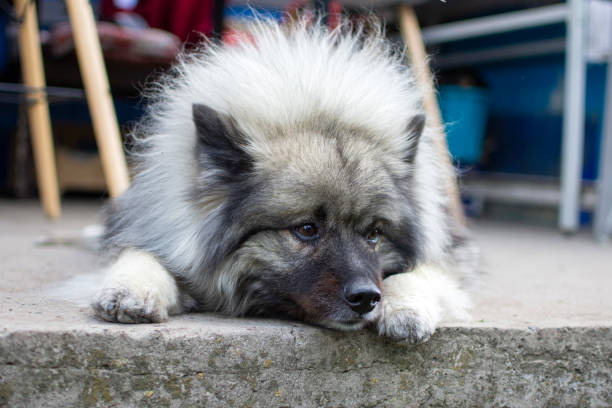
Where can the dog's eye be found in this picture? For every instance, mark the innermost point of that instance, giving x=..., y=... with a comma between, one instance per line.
x=373, y=236
x=306, y=232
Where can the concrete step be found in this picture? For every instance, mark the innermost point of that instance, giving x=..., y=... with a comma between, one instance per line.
x=206, y=361
x=541, y=336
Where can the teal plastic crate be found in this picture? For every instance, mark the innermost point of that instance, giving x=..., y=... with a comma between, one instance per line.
x=464, y=112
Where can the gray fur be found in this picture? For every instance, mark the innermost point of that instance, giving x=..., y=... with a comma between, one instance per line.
x=311, y=125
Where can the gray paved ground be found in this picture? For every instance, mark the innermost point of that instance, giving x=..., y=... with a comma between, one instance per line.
x=541, y=335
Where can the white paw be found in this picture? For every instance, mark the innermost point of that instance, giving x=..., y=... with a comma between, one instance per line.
x=406, y=324
x=410, y=307
x=126, y=306
x=137, y=289
x=415, y=302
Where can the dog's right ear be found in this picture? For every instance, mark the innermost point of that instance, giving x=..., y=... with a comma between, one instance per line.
x=414, y=130
x=219, y=141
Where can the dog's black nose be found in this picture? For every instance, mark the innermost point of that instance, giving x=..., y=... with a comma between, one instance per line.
x=362, y=297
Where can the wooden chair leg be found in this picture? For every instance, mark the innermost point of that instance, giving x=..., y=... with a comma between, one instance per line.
x=415, y=49
x=99, y=99
x=38, y=109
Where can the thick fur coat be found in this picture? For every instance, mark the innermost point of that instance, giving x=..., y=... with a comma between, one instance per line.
x=291, y=176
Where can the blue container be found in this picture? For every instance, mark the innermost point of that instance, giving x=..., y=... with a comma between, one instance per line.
x=464, y=112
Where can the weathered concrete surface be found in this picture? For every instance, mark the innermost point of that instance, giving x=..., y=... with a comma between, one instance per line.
x=266, y=365
x=541, y=336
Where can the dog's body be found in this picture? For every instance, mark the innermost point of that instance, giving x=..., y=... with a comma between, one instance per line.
x=291, y=176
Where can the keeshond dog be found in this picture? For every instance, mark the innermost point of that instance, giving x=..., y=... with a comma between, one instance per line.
x=293, y=176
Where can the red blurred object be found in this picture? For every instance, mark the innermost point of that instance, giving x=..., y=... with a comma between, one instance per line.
x=235, y=37
x=184, y=18
x=148, y=45
x=334, y=14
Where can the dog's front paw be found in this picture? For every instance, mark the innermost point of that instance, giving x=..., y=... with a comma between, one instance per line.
x=127, y=306
x=406, y=325
x=410, y=309
x=137, y=289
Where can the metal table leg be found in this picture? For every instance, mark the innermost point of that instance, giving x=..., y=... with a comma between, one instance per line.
x=573, y=118
x=603, y=211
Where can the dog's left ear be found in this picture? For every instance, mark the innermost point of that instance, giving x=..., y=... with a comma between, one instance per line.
x=219, y=141
x=414, y=130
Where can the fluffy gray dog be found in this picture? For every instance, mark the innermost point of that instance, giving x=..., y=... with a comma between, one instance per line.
x=290, y=176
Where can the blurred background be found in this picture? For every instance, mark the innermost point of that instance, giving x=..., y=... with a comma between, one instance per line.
x=524, y=89
x=521, y=85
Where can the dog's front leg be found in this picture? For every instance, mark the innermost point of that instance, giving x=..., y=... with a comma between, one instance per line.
x=415, y=302
x=137, y=289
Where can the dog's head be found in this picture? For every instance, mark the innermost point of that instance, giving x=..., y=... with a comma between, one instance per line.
x=311, y=217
